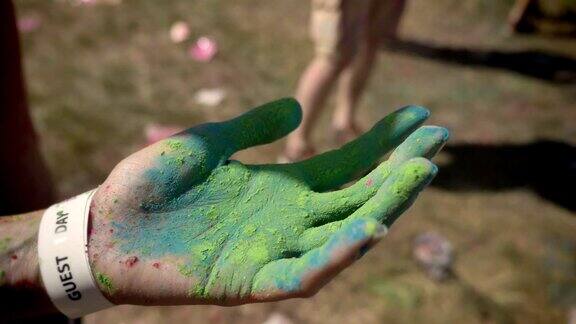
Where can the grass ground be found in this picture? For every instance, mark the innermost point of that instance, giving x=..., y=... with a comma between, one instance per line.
x=98, y=74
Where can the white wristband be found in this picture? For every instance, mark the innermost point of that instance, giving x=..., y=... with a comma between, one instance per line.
x=63, y=258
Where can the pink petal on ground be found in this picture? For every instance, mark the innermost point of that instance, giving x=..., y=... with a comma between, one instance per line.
x=210, y=97
x=29, y=24
x=95, y=2
x=435, y=254
x=155, y=132
x=179, y=32
x=278, y=318
x=204, y=49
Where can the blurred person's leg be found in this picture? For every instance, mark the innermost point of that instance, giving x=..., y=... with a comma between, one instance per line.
x=387, y=21
x=519, y=17
x=25, y=184
x=335, y=28
x=382, y=25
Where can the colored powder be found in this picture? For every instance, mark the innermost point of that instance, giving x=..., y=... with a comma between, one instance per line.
x=105, y=282
x=4, y=244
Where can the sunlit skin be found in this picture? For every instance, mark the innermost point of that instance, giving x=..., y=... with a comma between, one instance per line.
x=180, y=223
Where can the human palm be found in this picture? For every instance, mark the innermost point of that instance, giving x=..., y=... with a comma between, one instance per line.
x=178, y=222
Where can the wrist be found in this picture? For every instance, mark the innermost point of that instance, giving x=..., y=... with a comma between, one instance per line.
x=18, y=249
x=63, y=259
x=21, y=286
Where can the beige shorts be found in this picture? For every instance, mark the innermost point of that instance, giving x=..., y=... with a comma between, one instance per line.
x=338, y=27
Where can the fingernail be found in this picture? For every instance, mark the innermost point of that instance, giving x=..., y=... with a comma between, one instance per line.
x=418, y=110
x=434, y=171
x=445, y=134
x=380, y=232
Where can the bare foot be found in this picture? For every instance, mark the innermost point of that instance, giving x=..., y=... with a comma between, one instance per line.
x=296, y=153
x=346, y=134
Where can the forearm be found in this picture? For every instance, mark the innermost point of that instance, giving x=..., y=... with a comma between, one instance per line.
x=21, y=289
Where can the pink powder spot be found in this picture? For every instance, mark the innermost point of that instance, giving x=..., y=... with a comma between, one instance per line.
x=369, y=183
x=13, y=257
x=131, y=261
x=156, y=265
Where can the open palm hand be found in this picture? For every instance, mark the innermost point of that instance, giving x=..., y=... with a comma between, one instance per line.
x=180, y=223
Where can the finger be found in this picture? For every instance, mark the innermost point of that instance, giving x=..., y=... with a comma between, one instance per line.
x=335, y=168
x=396, y=195
x=303, y=276
x=258, y=126
x=404, y=186
x=189, y=157
x=424, y=142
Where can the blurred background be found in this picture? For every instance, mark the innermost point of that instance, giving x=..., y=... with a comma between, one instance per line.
x=500, y=215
